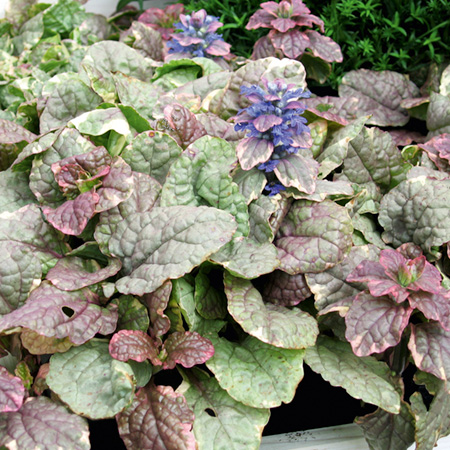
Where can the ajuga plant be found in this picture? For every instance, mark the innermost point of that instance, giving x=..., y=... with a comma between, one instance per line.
x=163, y=20
x=197, y=36
x=179, y=238
x=291, y=35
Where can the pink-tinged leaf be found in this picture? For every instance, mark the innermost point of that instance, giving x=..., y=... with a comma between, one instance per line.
x=430, y=348
x=261, y=19
x=299, y=172
x=92, y=162
x=72, y=273
x=264, y=48
x=380, y=94
x=253, y=151
x=292, y=44
x=323, y=47
x=157, y=303
x=283, y=24
x=433, y=306
x=186, y=127
x=438, y=150
x=266, y=121
x=375, y=323
x=54, y=313
x=378, y=281
x=314, y=237
x=284, y=289
x=218, y=48
x=42, y=424
x=12, y=133
x=402, y=138
x=158, y=419
x=12, y=391
x=187, y=349
x=188, y=40
x=117, y=186
x=135, y=345
x=72, y=216
x=340, y=110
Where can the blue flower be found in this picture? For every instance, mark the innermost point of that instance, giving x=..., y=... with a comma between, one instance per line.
x=275, y=116
x=274, y=188
x=197, y=36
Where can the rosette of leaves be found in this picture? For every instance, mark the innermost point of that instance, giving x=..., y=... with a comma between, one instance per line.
x=197, y=37
x=291, y=35
x=402, y=284
x=277, y=140
x=162, y=20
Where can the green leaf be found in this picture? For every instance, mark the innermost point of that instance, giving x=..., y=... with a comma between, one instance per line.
x=210, y=302
x=152, y=152
x=110, y=57
x=434, y=423
x=202, y=176
x=90, y=381
x=222, y=423
x=373, y=157
x=67, y=97
x=272, y=324
x=383, y=430
x=314, y=237
x=136, y=93
x=178, y=238
x=63, y=17
x=100, y=121
x=362, y=377
x=254, y=373
x=336, y=147
x=246, y=258
x=133, y=314
x=15, y=191
x=20, y=272
x=143, y=198
x=251, y=183
x=417, y=211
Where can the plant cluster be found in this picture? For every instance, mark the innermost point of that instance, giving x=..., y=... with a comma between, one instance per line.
x=168, y=215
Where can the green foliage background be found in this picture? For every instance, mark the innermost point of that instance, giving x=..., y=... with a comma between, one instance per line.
x=398, y=35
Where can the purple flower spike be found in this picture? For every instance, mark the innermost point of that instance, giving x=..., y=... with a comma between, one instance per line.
x=275, y=130
x=198, y=37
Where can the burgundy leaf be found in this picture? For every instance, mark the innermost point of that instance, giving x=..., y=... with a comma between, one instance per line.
x=43, y=424
x=158, y=419
x=135, y=345
x=72, y=216
x=430, y=348
x=433, y=306
x=293, y=43
x=12, y=391
x=375, y=323
x=253, y=151
x=438, y=150
x=72, y=273
x=117, y=186
x=187, y=349
x=186, y=127
x=284, y=289
x=54, y=313
x=92, y=162
x=156, y=303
